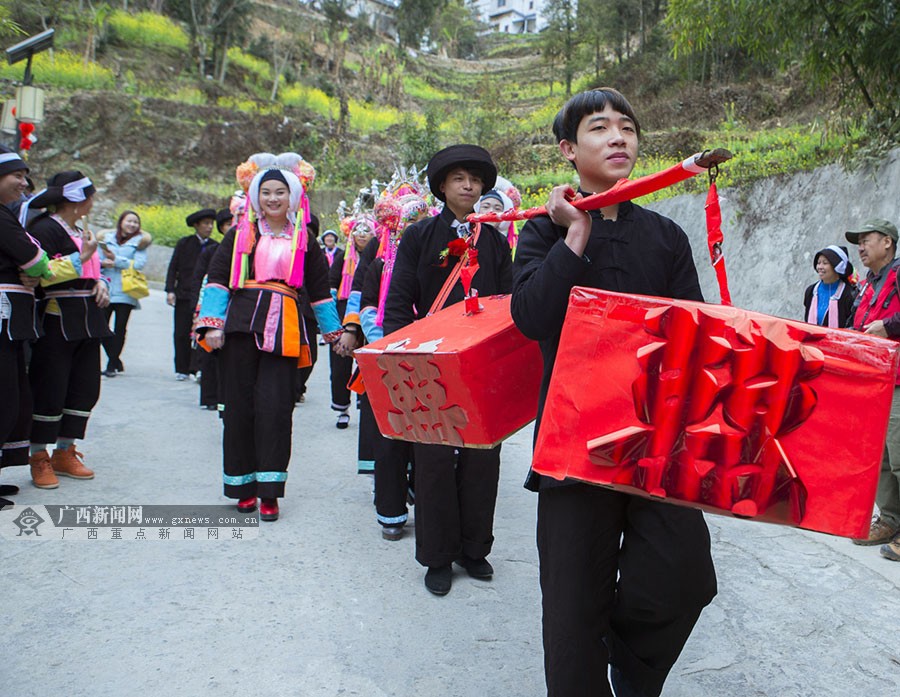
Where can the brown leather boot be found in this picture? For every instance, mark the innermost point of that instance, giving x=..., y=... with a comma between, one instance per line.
x=42, y=472
x=68, y=463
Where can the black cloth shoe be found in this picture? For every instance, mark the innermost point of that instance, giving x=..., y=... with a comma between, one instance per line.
x=476, y=568
x=8, y=490
x=438, y=579
x=392, y=532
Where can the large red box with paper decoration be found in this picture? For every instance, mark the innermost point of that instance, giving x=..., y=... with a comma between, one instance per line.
x=454, y=378
x=730, y=411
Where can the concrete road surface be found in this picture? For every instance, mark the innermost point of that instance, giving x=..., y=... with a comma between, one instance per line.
x=319, y=605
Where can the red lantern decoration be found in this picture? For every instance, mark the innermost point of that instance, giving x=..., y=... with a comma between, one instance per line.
x=28, y=138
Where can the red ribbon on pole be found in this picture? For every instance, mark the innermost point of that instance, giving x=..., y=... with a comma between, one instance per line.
x=714, y=239
x=622, y=190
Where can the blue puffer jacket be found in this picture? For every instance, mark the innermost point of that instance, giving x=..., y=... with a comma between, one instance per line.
x=125, y=253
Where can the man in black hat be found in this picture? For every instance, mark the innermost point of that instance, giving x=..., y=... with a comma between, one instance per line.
x=179, y=284
x=224, y=220
x=456, y=488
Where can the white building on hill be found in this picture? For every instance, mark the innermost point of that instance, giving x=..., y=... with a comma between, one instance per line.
x=513, y=16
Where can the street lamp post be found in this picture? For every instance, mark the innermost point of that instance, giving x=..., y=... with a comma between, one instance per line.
x=29, y=100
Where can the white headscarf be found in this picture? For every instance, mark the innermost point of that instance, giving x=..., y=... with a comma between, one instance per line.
x=285, y=163
x=841, y=267
x=73, y=192
x=293, y=183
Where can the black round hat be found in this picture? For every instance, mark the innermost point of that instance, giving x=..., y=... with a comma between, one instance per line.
x=472, y=157
x=223, y=215
x=202, y=214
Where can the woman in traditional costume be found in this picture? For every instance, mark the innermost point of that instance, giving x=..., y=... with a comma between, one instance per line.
x=394, y=469
x=250, y=311
x=829, y=301
x=65, y=363
x=362, y=227
x=340, y=277
x=22, y=264
x=502, y=198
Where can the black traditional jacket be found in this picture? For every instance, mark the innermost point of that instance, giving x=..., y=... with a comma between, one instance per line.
x=640, y=252
x=80, y=316
x=418, y=276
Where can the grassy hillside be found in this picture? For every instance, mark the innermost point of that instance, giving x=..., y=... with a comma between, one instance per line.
x=139, y=120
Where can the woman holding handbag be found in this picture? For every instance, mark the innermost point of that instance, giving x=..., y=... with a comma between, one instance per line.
x=127, y=249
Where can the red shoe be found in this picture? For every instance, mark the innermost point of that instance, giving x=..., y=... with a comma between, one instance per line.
x=247, y=505
x=268, y=509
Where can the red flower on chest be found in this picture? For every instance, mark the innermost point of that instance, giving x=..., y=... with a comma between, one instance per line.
x=457, y=247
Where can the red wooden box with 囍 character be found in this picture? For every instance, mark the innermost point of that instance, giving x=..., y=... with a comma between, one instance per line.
x=730, y=411
x=454, y=378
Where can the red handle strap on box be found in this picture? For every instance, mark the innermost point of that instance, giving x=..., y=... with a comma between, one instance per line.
x=714, y=236
x=455, y=274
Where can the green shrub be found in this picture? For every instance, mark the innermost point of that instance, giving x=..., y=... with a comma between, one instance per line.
x=257, y=67
x=372, y=118
x=147, y=29
x=418, y=140
x=311, y=98
x=539, y=119
x=417, y=88
x=248, y=106
x=187, y=95
x=63, y=69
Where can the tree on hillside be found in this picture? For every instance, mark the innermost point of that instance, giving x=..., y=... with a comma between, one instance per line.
x=455, y=29
x=8, y=26
x=851, y=41
x=414, y=17
x=94, y=21
x=36, y=13
x=212, y=25
x=561, y=38
x=337, y=23
x=338, y=33
x=283, y=48
x=487, y=119
x=617, y=26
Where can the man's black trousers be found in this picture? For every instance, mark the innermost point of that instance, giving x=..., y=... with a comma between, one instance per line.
x=184, y=318
x=456, y=492
x=623, y=581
